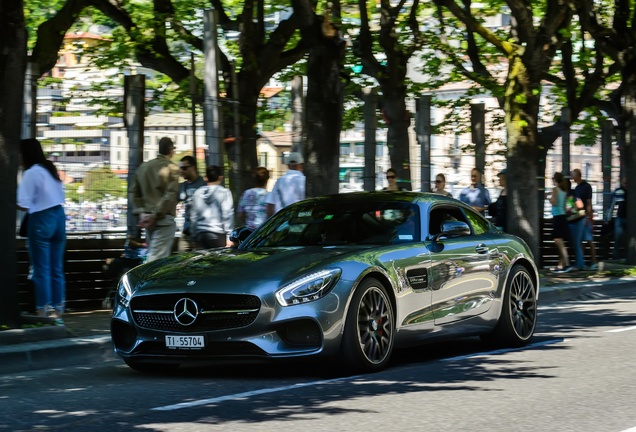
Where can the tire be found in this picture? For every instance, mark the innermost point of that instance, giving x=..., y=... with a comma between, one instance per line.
x=518, y=317
x=150, y=367
x=369, y=331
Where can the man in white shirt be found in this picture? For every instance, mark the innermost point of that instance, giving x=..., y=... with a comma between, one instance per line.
x=290, y=188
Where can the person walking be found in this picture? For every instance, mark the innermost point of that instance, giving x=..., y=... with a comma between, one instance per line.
x=497, y=210
x=290, y=188
x=193, y=181
x=154, y=190
x=618, y=219
x=476, y=195
x=581, y=229
x=41, y=194
x=560, y=231
x=252, y=206
x=212, y=212
x=440, y=185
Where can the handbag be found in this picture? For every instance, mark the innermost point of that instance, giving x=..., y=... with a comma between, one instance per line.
x=24, y=226
x=574, y=209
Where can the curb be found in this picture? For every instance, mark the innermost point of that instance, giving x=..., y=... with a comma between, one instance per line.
x=573, y=290
x=50, y=354
x=19, y=336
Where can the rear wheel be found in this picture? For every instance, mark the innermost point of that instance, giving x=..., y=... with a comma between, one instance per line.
x=518, y=317
x=369, y=328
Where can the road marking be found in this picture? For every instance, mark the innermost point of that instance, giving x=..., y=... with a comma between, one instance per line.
x=622, y=329
x=248, y=394
x=505, y=350
x=630, y=430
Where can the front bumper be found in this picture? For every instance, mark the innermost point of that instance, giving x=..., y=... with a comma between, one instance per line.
x=269, y=333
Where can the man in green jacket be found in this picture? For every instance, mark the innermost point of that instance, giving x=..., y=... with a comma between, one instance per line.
x=155, y=196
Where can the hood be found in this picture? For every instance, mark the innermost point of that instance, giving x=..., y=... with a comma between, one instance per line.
x=209, y=194
x=230, y=267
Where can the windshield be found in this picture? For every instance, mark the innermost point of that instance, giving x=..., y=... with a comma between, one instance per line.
x=338, y=223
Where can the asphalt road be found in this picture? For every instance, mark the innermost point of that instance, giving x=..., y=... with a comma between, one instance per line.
x=579, y=375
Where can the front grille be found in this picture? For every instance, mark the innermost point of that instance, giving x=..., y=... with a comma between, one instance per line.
x=216, y=311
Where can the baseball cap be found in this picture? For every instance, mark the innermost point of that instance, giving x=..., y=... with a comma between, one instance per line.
x=502, y=172
x=295, y=158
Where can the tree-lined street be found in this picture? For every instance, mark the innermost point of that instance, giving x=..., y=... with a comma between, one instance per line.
x=577, y=375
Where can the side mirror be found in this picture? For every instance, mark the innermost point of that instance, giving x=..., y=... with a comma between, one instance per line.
x=452, y=228
x=238, y=235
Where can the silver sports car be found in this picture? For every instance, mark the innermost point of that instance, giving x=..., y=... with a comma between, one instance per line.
x=349, y=277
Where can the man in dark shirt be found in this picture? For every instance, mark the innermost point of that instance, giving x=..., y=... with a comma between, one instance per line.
x=193, y=181
x=581, y=230
x=618, y=202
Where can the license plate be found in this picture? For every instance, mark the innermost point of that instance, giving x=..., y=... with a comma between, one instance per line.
x=185, y=342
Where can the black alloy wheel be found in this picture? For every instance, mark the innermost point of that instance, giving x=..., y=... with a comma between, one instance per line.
x=370, y=328
x=519, y=310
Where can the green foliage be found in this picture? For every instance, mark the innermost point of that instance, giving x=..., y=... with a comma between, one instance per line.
x=102, y=184
x=587, y=128
x=274, y=112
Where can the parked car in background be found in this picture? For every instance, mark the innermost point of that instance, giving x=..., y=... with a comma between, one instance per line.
x=347, y=277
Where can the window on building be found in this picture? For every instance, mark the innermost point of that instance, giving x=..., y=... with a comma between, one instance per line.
x=345, y=149
x=359, y=149
x=118, y=156
x=262, y=159
x=379, y=149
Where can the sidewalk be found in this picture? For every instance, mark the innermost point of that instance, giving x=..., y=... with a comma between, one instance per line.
x=85, y=336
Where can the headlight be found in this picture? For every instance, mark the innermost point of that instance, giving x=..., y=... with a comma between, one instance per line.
x=124, y=291
x=308, y=288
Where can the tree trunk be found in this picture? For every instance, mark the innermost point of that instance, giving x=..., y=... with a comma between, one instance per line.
x=398, y=121
x=324, y=105
x=247, y=98
x=630, y=159
x=12, y=70
x=521, y=125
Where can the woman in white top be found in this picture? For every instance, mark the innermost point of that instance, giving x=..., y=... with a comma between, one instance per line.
x=41, y=194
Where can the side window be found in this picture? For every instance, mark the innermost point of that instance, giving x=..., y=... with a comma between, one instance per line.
x=479, y=224
x=440, y=215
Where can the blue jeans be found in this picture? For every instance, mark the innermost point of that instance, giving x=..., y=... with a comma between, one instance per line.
x=576, y=237
x=619, y=234
x=47, y=241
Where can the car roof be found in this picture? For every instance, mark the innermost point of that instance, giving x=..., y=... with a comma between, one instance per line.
x=384, y=196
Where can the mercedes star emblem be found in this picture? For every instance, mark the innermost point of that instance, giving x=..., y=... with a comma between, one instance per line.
x=186, y=311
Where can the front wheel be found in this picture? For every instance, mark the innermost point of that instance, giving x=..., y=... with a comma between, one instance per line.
x=518, y=317
x=369, y=328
